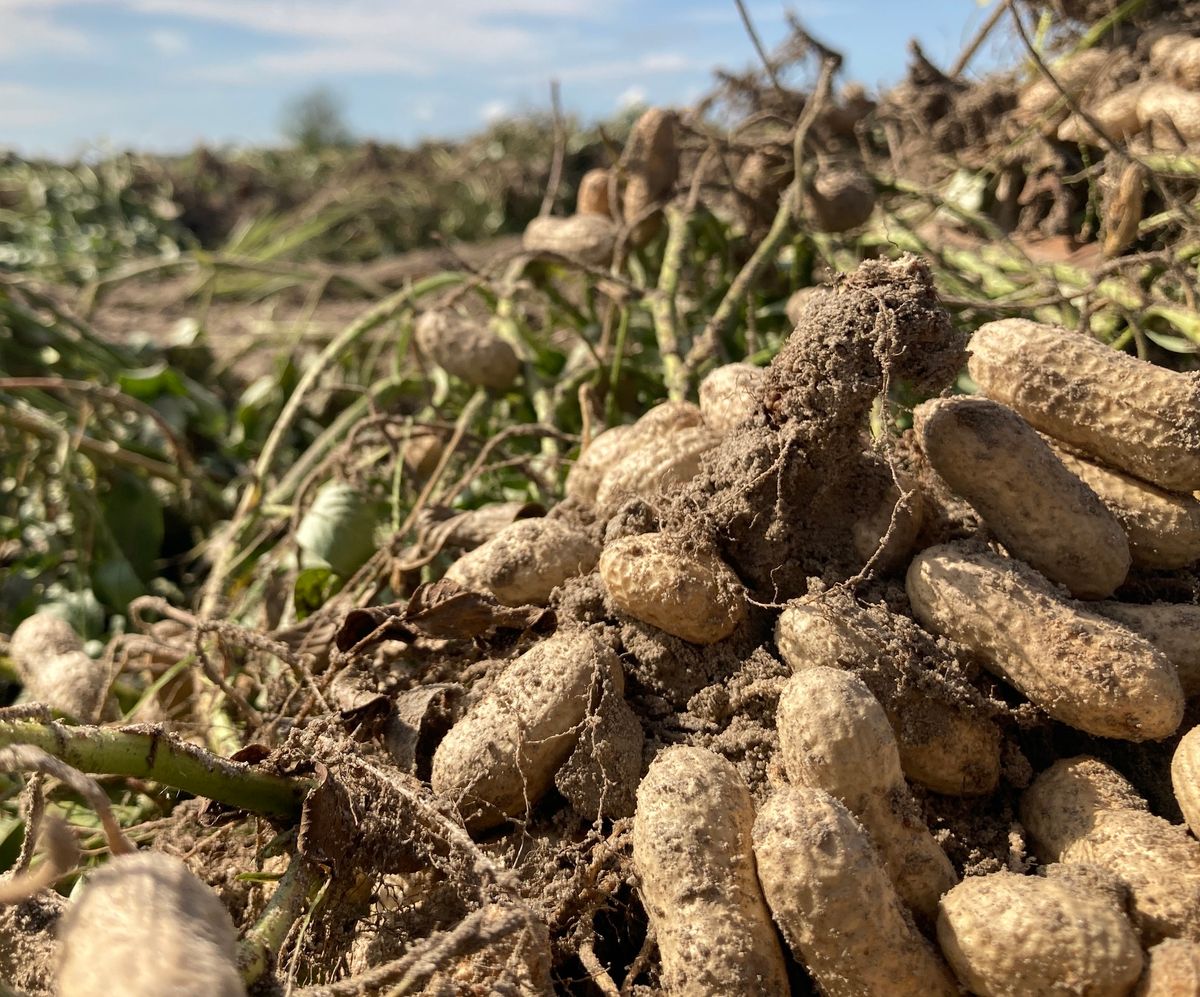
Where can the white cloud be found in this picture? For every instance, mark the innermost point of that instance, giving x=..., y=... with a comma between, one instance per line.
x=495, y=110
x=168, y=42
x=26, y=33
x=424, y=110
x=634, y=96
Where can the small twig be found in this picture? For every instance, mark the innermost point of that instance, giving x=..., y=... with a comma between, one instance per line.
x=979, y=38
x=33, y=804
x=587, y=953
x=768, y=65
x=640, y=961
x=29, y=758
x=560, y=151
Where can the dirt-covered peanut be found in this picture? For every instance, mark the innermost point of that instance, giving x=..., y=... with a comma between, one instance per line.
x=1035, y=506
x=1171, y=113
x=589, y=238
x=1173, y=628
x=1074, y=73
x=1172, y=970
x=1116, y=114
x=650, y=166
x=592, y=198
x=1185, y=778
x=656, y=466
x=834, y=736
x=608, y=447
x=55, y=670
x=834, y=903
x=691, y=594
x=467, y=349
x=500, y=758
x=1130, y=414
x=1008, y=935
x=693, y=854
x=945, y=745
x=525, y=561
x=1176, y=57
x=729, y=395
x=1163, y=527
x=1082, y=810
x=801, y=299
x=840, y=198
x=1075, y=664
x=886, y=532
x=145, y=926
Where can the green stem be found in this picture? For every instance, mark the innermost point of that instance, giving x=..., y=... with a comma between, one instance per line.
x=261, y=943
x=145, y=752
x=662, y=305
x=614, y=377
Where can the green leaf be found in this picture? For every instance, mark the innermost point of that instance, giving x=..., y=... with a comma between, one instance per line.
x=150, y=382
x=116, y=582
x=339, y=528
x=135, y=519
x=1176, y=344
x=314, y=587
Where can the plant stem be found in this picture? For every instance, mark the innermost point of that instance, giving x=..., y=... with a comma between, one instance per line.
x=264, y=938
x=146, y=752
x=662, y=305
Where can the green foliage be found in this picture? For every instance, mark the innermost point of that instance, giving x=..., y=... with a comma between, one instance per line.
x=316, y=120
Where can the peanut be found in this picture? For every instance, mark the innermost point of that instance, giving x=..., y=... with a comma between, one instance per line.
x=729, y=395
x=692, y=851
x=467, y=350
x=1185, y=778
x=1172, y=970
x=1172, y=628
x=56, y=671
x=588, y=238
x=654, y=467
x=1076, y=665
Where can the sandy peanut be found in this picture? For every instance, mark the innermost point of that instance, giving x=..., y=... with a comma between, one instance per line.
x=761, y=179
x=1007, y=935
x=840, y=198
x=610, y=446
x=1116, y=114
x=589, y=238
x=887, y=508
x=1038, y=509
x=1172, y=112
x=1172, y=628
x=832, y=899
x=693, y=854
x=690, y=594
x=944, y=745
x=56, y=671
x=501, y=757
x=1130, y=414
x=467, y=350
x=1082, y=810
x=1185, y=778
x=592, y=198
x=145, y=926
x=729, y=395
x=834, y=736
x=1076, y=665
x=1041, y=99
x=654, y=467
x=1163, y=527
x=1183, y=61
x=526, y=561
x=1172, y=970
x=801, y=299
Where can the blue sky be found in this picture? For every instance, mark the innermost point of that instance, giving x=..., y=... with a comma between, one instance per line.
x=166, y=74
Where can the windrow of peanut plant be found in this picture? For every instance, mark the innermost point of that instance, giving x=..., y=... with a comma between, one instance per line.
x=697, y=598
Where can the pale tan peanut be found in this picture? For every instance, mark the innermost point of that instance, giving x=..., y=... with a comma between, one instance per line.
x=652, y=154
x=1007, y=935
x=801, y=299
x=589, y=238
x=1172, y=111
x=1075, y=73
x=729, y=395
x=1038, y=509
x=693, y=854
x=1162, y=52
x=655, y=467
x=610, y=446
x=1172, y=970
x=500, y=758
x=145, y=926
x=56, y=671
x=1185, y=778
x=1163, y=527
x=944, y=745
x=690, y=594
x=1082, y=810
x=834, y=736
x=1172, y=628
x=467, y=349
x=526, y=561
x=1078, y=666
x=834, y=903
x=1130, y=414
x=1116, y=114
x=1183, y=66
x=840, y=198
x=592, y=198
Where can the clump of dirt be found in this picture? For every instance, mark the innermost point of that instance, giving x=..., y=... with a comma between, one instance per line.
x=763, y=495
x=28, y=930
